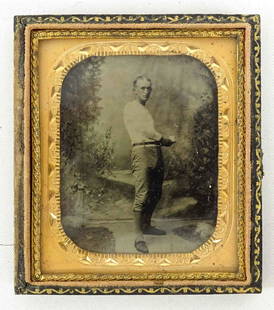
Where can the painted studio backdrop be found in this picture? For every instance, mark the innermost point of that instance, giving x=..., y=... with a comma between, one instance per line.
x=97, y=187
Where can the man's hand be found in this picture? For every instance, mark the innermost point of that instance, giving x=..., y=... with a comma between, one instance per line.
x=167, y=141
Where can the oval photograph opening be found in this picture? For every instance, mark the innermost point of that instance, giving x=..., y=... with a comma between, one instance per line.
x=139, y=154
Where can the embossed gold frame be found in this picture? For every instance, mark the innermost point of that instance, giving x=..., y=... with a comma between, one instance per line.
x=37, y=156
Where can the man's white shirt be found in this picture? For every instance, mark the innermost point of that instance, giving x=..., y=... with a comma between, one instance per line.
x=139, y=123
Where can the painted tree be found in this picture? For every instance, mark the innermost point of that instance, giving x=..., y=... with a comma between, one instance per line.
x=86, y=152
x=203, y=167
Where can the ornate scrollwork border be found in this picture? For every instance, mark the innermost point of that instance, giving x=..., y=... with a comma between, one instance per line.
x=137, y=19
x=258, y=156
x=143, y=290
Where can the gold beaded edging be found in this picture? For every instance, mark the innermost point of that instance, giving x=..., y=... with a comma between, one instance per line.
x=241, y=154
x=36, y=160
x=163, y=260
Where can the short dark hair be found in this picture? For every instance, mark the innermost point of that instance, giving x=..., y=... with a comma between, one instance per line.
x=141, y=77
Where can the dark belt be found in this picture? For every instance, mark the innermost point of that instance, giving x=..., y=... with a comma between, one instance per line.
x=147, y=143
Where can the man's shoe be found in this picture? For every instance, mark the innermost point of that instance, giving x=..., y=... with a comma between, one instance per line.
x=150, y=230
x=141, y=246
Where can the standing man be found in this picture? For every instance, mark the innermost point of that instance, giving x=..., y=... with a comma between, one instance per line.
x=147, y=160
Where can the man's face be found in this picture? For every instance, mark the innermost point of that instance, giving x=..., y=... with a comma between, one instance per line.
x=143, y=89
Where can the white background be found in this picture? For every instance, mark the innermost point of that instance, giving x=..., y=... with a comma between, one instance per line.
x=35, y=7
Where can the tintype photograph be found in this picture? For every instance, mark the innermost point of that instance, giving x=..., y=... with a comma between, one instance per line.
x=138, y=157
x=139, y=149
